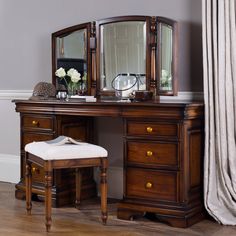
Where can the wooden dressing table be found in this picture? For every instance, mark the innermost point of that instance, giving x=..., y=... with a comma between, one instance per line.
x=163, y=153
x=162, y=141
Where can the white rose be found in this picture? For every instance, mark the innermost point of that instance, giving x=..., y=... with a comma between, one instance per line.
x=71, y=71
x=60, y=72
x=75, y=77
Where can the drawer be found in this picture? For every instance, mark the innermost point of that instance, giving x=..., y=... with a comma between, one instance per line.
x=37, y=122
x=152, y=128
x=155, y=185
x=38, y=174
x=153, y=153
x=28, y=137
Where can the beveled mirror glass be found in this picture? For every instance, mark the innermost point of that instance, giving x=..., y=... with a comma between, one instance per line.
x=123, y=55
x=166, y=56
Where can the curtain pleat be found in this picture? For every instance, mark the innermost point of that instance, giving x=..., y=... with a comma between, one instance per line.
x=219, y=67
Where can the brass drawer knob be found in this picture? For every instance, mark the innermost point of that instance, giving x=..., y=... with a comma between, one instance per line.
x=149, y=153
x=35, y=123
x=149, y=129
x=35, y=170
x=149, y=185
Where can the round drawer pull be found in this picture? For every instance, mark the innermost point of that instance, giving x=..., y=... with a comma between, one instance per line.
x=35, y=123
x=149, y=129
x=149, y=153
x=149, y=185
x=35, y=170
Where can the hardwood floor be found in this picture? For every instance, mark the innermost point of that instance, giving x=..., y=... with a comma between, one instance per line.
x=68, y=221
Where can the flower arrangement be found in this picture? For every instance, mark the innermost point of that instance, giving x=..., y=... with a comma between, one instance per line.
x=75, y=82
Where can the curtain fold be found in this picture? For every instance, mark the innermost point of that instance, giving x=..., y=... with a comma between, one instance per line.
x=219, y=67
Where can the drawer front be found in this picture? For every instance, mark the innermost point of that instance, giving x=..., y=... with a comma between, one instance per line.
x=37, y=122
x=155, y=185
x=163, y=154
x=152, y=129
x=38, y=174
x=28, y=137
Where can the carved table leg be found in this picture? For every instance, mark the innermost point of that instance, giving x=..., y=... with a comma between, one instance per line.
x=48, y=198
x=78, y=181
x=104, y=189
x=28, y=183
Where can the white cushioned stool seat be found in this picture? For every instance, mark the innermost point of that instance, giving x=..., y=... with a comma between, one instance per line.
x=65, y=151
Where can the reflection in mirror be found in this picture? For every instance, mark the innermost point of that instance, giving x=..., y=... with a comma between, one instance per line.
x=72, y=45
x=71, y=52
x=122, y=53
x=165, y=57
x=125, y=84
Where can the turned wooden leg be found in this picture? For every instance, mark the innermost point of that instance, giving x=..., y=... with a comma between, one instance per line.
x=78, y=181
x=103, y=185
x=48, y=198
x=28, y=185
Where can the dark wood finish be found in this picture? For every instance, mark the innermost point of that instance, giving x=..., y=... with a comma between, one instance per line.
x=153, y=45
x=39, y=127
x=153, y=154
x=152, y=129
x=163, y=173
x=49, y=166
x=169, y=155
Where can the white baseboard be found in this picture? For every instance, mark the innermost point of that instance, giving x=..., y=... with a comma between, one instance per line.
x=9, y=168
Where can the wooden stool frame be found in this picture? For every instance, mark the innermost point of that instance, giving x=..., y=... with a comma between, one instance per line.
x=49, y=166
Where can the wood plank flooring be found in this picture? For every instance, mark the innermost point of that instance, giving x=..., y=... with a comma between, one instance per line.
x=68, y=221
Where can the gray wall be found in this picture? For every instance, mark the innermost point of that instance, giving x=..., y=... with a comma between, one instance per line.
x=26, y=28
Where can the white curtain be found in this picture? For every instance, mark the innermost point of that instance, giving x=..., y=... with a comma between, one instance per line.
x=219, y=63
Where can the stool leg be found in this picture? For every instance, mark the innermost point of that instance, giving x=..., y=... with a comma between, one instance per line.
x=28, y=185
x=78, y=181
x=103, y=186
x=48, y=199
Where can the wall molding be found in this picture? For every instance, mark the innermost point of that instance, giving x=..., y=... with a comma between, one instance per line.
x=15, y=94
x=184, y=96
x=25, y=94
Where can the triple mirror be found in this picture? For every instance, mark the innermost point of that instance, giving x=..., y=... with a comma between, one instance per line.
x=120, y=55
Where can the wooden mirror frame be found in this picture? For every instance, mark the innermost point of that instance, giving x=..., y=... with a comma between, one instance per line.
x=152, y=60
x=145, y=19
x=65, y=32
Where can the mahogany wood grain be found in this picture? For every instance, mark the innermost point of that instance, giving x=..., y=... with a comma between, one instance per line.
x=173, y=164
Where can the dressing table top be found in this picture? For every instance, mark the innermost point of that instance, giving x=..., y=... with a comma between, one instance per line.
x=150, y=109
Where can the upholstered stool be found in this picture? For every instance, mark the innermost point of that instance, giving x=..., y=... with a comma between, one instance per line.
x=52, y=155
